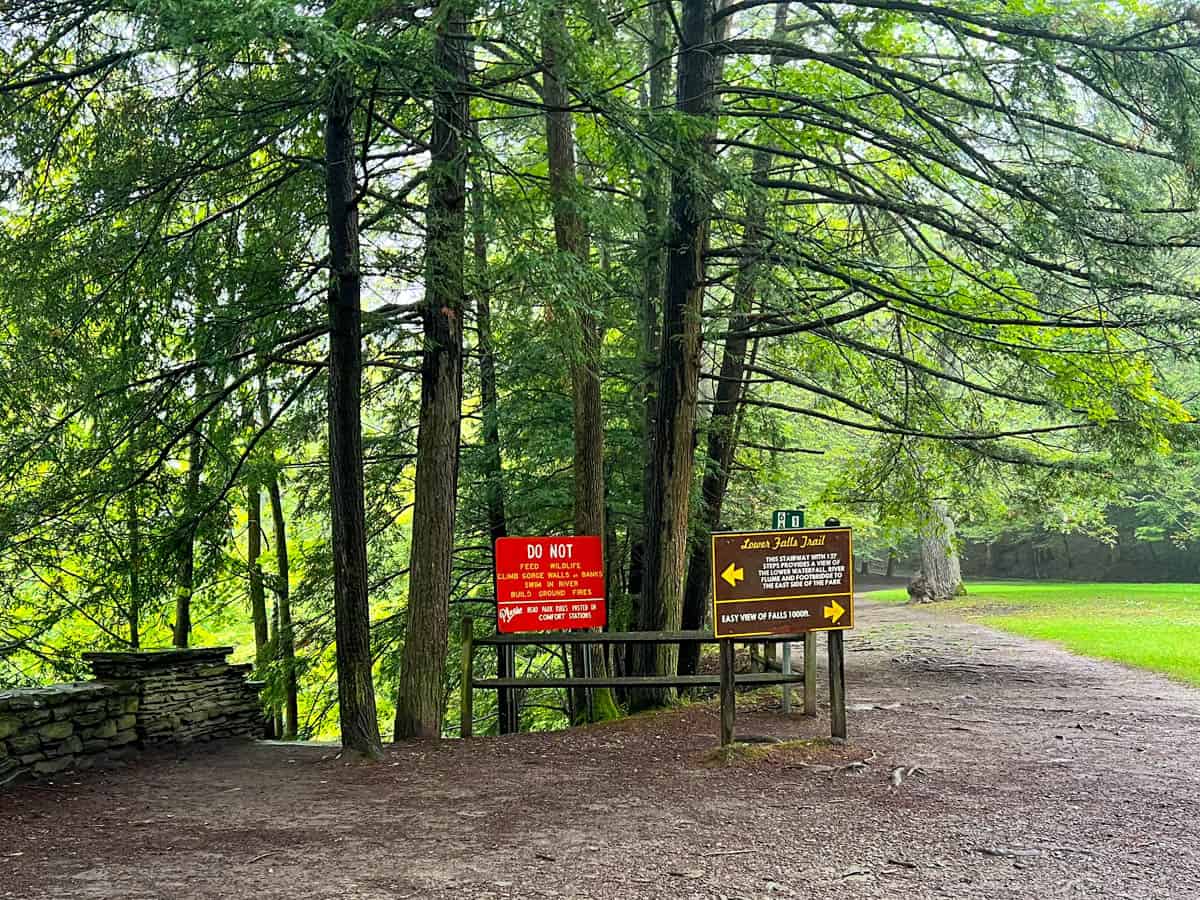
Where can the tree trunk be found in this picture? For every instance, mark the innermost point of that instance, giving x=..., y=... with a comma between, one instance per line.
x=185, y=586
x=421, y=697
x=285, y=636
x=493, y=468
x=571, y=238
x=723, y=428
x=258, y=597
x=939, y=556
x=277, y=726
x=352, y=610
x=649, y=303
x=134, y=613
x=679, y=366
x=508, y=700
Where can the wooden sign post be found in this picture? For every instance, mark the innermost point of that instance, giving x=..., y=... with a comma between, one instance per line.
x=728, y=697
x=837, y=686
x=783, y=583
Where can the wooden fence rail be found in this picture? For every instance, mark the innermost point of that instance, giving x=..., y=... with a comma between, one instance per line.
x=727, y=680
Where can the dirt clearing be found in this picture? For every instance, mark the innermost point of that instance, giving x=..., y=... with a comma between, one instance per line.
x=979, y=765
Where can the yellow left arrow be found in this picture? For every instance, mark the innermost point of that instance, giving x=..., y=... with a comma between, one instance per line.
x=834, y=611
x=733, y=575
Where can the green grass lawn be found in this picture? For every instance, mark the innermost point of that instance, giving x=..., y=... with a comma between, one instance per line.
x=1152, y=626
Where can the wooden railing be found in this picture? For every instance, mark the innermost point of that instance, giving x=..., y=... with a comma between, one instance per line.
x=727, y=679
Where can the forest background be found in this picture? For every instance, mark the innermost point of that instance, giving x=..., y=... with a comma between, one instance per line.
x=303, y=305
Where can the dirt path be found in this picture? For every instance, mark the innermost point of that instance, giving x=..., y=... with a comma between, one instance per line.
x=1038, y=774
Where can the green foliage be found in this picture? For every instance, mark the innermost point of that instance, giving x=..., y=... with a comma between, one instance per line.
x=974, y=282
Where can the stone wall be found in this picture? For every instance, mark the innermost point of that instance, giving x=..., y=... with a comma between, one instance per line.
x=139, y=700
x=67, y=726
x=185, y=695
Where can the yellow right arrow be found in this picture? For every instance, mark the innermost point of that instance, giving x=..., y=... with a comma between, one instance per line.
x=834, y=611
x=733, y=575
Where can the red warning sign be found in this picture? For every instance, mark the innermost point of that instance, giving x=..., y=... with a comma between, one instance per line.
x=549, y=584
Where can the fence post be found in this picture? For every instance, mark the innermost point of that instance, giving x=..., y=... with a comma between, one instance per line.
x=810, y=674
x=785, y=666
x=506, y=697
x=728, y=698
x=837, y=685
x=466, y=691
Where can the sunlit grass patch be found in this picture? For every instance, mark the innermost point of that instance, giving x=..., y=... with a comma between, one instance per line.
x=1151, y=626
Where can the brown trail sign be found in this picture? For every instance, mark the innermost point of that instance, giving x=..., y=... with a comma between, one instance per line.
x=782, y=582
x=772, y=583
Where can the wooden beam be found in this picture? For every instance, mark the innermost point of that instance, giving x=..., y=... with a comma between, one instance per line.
x=837, y=685
x=810, y=675
x=506, y=667
x=785, y=666
x=756, y=679
x=728, y=695
x=599, y=637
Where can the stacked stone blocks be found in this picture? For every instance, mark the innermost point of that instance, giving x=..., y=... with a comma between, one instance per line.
x=143, y=699
x=67, y=726
x=186, y=695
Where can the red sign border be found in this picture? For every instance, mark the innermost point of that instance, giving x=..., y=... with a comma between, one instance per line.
x=602, y=600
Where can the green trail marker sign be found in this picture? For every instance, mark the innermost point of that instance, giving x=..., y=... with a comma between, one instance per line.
x=786, y=519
